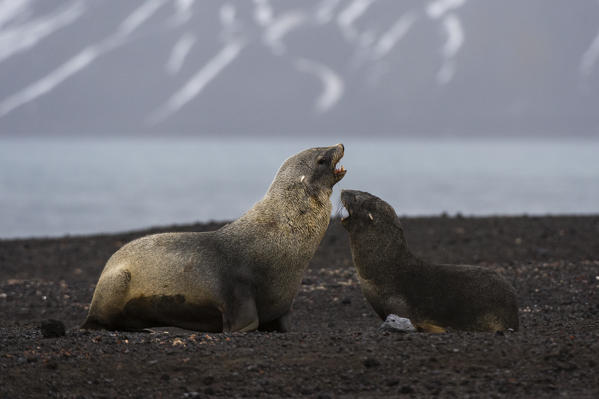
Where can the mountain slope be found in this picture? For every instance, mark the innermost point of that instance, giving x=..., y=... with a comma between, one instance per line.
x=283, y=67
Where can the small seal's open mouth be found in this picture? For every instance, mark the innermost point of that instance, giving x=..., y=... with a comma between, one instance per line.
x=344, y=213
x=347, y=203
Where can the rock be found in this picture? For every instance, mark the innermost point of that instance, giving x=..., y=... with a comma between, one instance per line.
x=406, y=389
x=52, y=328
x=394, y=323
x=371, y=362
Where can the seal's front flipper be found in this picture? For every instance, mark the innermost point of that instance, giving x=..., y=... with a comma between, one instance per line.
x=240, y=314
x=430, y=328
x=279, y=325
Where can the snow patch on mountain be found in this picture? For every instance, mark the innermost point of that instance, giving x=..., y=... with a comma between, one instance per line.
x=438, y=8
x=332, y=84
x=49, y=82
x=454, y=33
x=278, y=27
x=349, y=15
x=183, y=11
x=179, y=53
x=198, y=82
x=393, y=35
x=263, y=13
x=590, y=57
x=18, y=38
x=11, y=9
x=139, y=16
x=325, y=11
x=84, y=58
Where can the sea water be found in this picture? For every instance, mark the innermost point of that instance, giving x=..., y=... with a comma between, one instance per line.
x=51, y=187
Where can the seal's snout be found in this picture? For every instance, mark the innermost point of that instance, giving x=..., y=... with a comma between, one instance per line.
x=359, y=204
x=350, y=197
x=347, y=197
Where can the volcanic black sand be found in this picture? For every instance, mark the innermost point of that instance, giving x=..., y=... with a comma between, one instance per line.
x=334, y=348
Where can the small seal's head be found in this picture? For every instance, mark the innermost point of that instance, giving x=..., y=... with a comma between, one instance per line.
x=375, y=233
x=315, y=169
x=367, y=213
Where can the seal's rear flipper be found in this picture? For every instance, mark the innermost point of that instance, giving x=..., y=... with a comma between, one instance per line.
x=279, y=325
x=430, y=328
x=91, y=324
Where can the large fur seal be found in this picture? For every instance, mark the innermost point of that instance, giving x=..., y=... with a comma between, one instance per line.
x=433, y=297
x=241, y=277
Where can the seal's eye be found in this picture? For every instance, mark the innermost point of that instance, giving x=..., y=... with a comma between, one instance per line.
x=321, y=161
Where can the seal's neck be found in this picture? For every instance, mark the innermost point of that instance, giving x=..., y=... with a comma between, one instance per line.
x=379, y=255
x=298, y=191
x=289, y=221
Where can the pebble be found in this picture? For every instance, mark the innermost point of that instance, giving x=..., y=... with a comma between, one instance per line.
x=394, y=323
x=406, y=389
x=371, y=362
x=52, y=328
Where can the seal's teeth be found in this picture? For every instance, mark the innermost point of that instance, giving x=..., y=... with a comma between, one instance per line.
x=302, y=178
x=370, y=216
x=340, y=169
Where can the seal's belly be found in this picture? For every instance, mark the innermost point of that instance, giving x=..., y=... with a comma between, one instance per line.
x=174, y=310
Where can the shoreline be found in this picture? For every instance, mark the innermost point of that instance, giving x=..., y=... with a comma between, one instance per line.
x=199, y=225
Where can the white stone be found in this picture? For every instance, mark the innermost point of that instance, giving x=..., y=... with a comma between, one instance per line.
x=394, y=323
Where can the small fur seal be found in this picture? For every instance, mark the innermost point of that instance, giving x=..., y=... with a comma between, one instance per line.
x=241, y=277
x=433, y=297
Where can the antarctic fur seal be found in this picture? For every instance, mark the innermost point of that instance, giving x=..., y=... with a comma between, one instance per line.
x=433, y=297
x=241, y=277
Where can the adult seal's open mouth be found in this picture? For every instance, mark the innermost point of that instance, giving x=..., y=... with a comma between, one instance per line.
x=339, y=172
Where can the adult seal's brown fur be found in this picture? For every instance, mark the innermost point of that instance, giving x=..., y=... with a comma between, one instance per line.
x=241, y=277
x=434, y=297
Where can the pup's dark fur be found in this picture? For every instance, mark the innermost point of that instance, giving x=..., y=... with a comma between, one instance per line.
x=433, y=297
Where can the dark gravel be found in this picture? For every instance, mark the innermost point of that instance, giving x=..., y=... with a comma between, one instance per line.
x=334, y=348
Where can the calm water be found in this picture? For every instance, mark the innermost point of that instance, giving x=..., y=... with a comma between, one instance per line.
x=64, y=186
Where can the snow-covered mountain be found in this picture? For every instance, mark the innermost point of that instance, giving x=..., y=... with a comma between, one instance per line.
x=395, y=67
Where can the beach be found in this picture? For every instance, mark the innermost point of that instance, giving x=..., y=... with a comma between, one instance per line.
x=333, y=348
